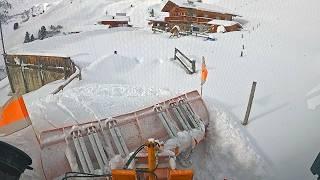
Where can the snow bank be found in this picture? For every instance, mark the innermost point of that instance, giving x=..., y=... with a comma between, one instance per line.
x=2, y=73
x=313, y=98
x=4, y=91
x=222, y=22
x=111, y=65
x=221, y=29
x=226, y=152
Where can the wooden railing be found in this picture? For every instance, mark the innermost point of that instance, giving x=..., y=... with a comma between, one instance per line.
x=77, y=74
x=184, y=61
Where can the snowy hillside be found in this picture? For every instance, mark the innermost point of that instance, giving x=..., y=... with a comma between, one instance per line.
x=281, y=53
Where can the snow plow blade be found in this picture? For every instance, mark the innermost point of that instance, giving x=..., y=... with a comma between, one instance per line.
x=89, y=147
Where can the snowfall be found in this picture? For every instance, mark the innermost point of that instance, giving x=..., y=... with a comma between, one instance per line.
x=281, y=53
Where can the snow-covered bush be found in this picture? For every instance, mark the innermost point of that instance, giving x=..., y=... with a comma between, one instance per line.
x=4, y=7
x=221, y=29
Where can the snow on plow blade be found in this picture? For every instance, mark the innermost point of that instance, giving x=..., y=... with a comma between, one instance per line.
x=89, y=147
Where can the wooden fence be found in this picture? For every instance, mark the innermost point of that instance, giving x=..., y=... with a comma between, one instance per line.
x=188, y=64
x=30, y=72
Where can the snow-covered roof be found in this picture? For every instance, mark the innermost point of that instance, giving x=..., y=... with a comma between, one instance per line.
x=222, y=22
x=200, y=6
x=36, y=53
x=160, y=17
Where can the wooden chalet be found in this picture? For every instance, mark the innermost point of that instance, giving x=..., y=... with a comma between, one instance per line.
x=193, y=16
x=119, y=20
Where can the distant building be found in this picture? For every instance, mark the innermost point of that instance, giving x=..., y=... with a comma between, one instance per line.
x=195, y=16
x=119, y=20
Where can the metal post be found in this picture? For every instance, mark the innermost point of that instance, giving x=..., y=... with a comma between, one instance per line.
x=253, y=89
x=5, y=59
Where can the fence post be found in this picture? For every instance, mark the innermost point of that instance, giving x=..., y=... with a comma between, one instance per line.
x=80, y=76
x=175, y=54
x=23, y=77
x=65, y=69
x=193, y=62
x=40, y=75
x=253, y=89
x=8, y=73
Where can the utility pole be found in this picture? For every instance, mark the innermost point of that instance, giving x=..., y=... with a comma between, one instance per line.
x=5, y=58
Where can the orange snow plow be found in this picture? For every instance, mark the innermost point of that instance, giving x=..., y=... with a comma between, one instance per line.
x=13, y=116
x=102, y=147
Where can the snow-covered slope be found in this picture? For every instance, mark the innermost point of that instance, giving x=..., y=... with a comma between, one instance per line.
x=281, y=54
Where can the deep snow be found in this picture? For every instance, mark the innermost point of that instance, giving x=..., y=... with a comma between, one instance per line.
x=281, y=54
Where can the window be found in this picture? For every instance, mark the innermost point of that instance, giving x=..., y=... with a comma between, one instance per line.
x=195, y=29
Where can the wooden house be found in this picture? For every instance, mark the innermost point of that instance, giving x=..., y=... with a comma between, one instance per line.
x=116, y=21
x=191, y=16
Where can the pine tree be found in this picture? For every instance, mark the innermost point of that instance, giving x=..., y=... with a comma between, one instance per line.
x=42, y=33
x=152, y=13
x=32, y=38
x=39, y=34
x=27, y=37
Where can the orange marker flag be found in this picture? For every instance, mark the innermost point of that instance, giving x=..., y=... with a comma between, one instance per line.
x=13, y=116
x=204, y=71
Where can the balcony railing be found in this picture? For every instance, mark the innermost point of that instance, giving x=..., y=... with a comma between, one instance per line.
x=189, y=19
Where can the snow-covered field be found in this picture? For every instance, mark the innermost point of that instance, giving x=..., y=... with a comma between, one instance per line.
x=281, y=54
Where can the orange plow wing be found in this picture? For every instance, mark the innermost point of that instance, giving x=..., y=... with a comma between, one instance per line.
x=14, y=116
